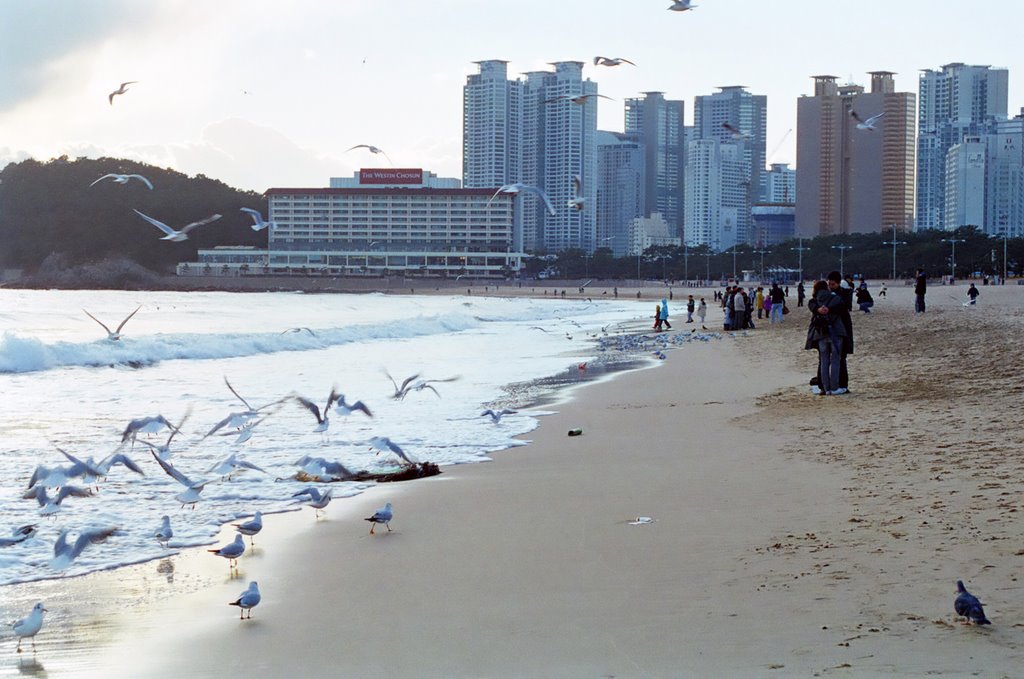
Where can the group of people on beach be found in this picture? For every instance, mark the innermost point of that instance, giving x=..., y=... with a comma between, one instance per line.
x=661, y=312
x=739, y=305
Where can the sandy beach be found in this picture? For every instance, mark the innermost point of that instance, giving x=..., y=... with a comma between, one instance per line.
x=793, y=535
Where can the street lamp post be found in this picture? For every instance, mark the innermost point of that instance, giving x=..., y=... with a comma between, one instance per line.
x=686, y=262
x=762, y=252
x=894, y=243
x=842, y=250
x=952, y=260
x=800, y=257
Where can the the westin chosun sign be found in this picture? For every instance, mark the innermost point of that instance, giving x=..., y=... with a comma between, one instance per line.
x=391, y=176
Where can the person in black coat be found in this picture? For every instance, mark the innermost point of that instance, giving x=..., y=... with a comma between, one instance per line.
x=920, y=287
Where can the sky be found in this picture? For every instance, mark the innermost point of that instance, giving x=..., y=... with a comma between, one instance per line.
x=263, y=93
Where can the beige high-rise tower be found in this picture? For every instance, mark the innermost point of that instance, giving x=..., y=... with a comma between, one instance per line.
x=850, y=179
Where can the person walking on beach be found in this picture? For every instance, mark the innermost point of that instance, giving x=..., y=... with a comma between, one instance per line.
x=825, y=333
x=690, y=306
x=778, y=298
x=664, y=314
x=973, y=293
x=800, y=293
x=920, y=288
x=759, y=301
x=657, y=318
x=702, y=311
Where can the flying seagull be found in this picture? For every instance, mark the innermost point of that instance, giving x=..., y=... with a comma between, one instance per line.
x=496, y=415
x=120, y=90
x=868, y=124
x=19, y=534
x=322, y=421
x=383, y=444
x=317, y=500
x=681, y=6
x=257, y=218
x=123, y=179
x=64, y=554
x=144, y=425
x=575, y=98
x=576, y=202
x=734, y=131
x=164, y=450
x=231, y=551
x=382, y=515
x=968, y=606
x=248, y=600
x=370, y=148
x=616, y=61
x=346, y=408
x=239, y=420
x=115, y=335
x=190, y=496
x=231, y=464
x=30, y=625
x=401, y=391
x=49, y=506
x=177, y=236
x=517, y=188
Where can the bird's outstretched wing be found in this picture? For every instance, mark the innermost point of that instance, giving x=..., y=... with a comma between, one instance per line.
x=173, y=473
x=237, y=395
x=577, y=184
x=872, y=119
x=543, y=196
x=856, y=117
x=102, y=324
x=311, y=407
x=102, y=178
x=157, y=223
x=127, y=318
x=143, y=180
x=194, y=225
x=255, y=214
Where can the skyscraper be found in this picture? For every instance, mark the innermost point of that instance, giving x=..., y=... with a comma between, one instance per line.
x=620, y=188
x=853, y=179
x=735, y=115
x=658, y=124
x=529, y=131
x=717, y=207
x=957, y=101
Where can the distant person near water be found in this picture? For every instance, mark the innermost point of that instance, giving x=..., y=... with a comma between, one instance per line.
x=702, y=311
x=664, y=314
x=690, y=306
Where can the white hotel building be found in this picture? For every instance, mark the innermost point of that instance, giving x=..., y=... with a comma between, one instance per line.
x=381, y=222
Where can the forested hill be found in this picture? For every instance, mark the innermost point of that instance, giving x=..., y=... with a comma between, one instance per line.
x=51, y=208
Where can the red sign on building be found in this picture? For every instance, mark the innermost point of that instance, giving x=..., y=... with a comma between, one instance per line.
x=389, y=175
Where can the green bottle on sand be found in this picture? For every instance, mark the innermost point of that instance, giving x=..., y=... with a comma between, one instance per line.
x=575, y=432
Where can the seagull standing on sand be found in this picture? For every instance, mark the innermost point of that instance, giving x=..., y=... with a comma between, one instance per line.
x=248, y=600
x=180, y=235
x=616, y=61
x=231, y=551
x=257, y=218
x=868, y=124
x=369, y=147
x=123, y=179
x=190, y=496
x=115, y=335
x=967, y=605
x=30, y=625
x=120, y=90
x=18, y=535
x=517, y=188
x=164, y=533
x=383, y=444
x=382, y=515
x=317, y=500
x=251, y=527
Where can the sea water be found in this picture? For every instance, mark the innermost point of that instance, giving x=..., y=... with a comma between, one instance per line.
x=64, y=384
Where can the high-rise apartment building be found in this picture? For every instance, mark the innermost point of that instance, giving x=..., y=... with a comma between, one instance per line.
x=851, y=178
x=735, y=115
x=955, y=102
x=658, y=124
x=620, y=188
x=717, y=203
x=781, y=184
x=530, y=131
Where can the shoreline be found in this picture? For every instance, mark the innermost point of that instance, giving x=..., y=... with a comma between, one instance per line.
x=770, y=551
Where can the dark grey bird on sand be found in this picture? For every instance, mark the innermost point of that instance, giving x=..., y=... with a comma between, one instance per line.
x=968, y=606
